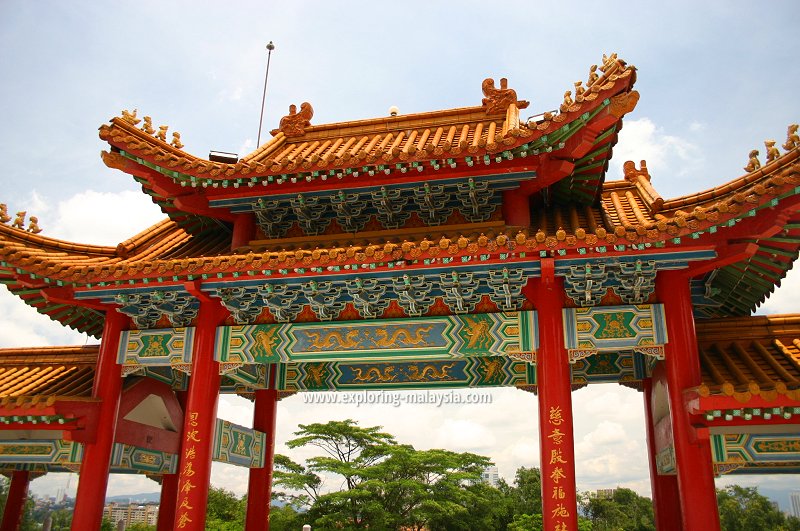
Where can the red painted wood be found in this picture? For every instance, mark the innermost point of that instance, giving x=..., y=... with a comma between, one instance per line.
x=15, y=502
x=554, y=380
x=167, y=502
x=194, y=469
x=93, y=477
x=259, y=489
x=666, y=498
x=141, y=435
x=244, y=230
x=692, y=453
x=516, y=208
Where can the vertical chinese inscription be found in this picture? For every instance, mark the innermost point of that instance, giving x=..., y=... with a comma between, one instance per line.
x=191, y=439
x=559, y=468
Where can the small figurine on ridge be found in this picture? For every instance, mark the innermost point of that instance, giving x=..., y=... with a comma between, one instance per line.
x=753, y=164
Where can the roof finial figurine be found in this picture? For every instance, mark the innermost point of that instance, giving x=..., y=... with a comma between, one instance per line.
x=792, y=139
x=498, y=100
x=753, y=164
x=147, y=127
x=592, y=75
x=4, y=217
x=772, y=151
x=162, y=133
x=295, y=123
x=33, y=226
x=608, y=62
x=19, y=221
x=579, y=90
x=130, y=117
x=567, y=101
x=176, y=140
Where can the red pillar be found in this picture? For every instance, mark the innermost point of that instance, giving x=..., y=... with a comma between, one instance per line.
x=93, y=477
x=259, y=488
x=15, y=502
x=244, y=230
x=698, y=496
x=194, y=467
x=516, y=208
x=666, y=498
x=167, y=502
x=554, y=380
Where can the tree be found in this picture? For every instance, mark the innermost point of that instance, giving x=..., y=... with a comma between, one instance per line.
x=385, y=485
x=624, y=510
x=743, y=508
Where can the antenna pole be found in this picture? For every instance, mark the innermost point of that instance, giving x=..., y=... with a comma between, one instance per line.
x=270, y=47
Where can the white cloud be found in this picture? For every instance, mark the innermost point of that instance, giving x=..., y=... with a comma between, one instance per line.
x=667, y=155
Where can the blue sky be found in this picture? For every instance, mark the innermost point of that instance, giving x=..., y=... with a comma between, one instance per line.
x=716, y=79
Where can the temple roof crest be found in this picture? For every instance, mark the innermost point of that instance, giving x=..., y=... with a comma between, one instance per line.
x=497, y=100
x=295, y=123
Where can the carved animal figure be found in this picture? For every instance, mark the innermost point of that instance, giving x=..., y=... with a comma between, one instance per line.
x=333, y=338
x=400, y=337
x=176, y=140
x=130, y=117
x=753, y=164
x=33, y=226
x=498, y=100
x=430, y=372
x=162, y=133
x=579, y=90
x=592, y=75
x=772, y=151
x=792, y=139
x=373, y=374
x=147, y=127
x=295, y=123
x=19, y=221
x=4, y=217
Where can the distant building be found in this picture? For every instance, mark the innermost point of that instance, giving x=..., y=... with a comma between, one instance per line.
x=131, y=513
x=491, y=476
x=794, y=500
x=605, y=494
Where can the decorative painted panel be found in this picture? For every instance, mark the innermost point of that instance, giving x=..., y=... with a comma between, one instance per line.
x=747, y=449
x=424, y=338
x=491, y=371
x=69, y=454
x=238, y=445
x=640, y=328
x=168, y=347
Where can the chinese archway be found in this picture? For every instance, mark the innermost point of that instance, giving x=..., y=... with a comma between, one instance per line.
x=468, y=247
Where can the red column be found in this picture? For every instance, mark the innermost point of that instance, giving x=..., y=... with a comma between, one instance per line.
x=554, y=380
x=167, y=502
x=194, y=467
x=244, y=230
x=93, y=477
x=259, y=488
x=666, y=498
x=15, y=502
x=516, y=208
x=692, y=455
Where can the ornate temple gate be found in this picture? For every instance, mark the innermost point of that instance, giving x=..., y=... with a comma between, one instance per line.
x=458, y=248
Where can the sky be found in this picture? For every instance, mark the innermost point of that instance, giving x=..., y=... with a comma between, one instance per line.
x=716, y=80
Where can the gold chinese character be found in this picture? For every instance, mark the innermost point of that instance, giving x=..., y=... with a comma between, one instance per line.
x=555, y=416
x=193, y=418
x=183, y=520
x=555, y=457
x=557, y=436
x=560, y=511
x=558, y=493
x=557, y=474
x=185, y=504
x=190, y=452
x=187, y=487
x=561, y=526
x=192, y=436
x=188, y=471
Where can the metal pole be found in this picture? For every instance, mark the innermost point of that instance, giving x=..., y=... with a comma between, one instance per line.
x=270, y=47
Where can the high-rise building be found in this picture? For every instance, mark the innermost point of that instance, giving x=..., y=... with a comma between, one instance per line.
x=794, y=500
x=491, y=476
